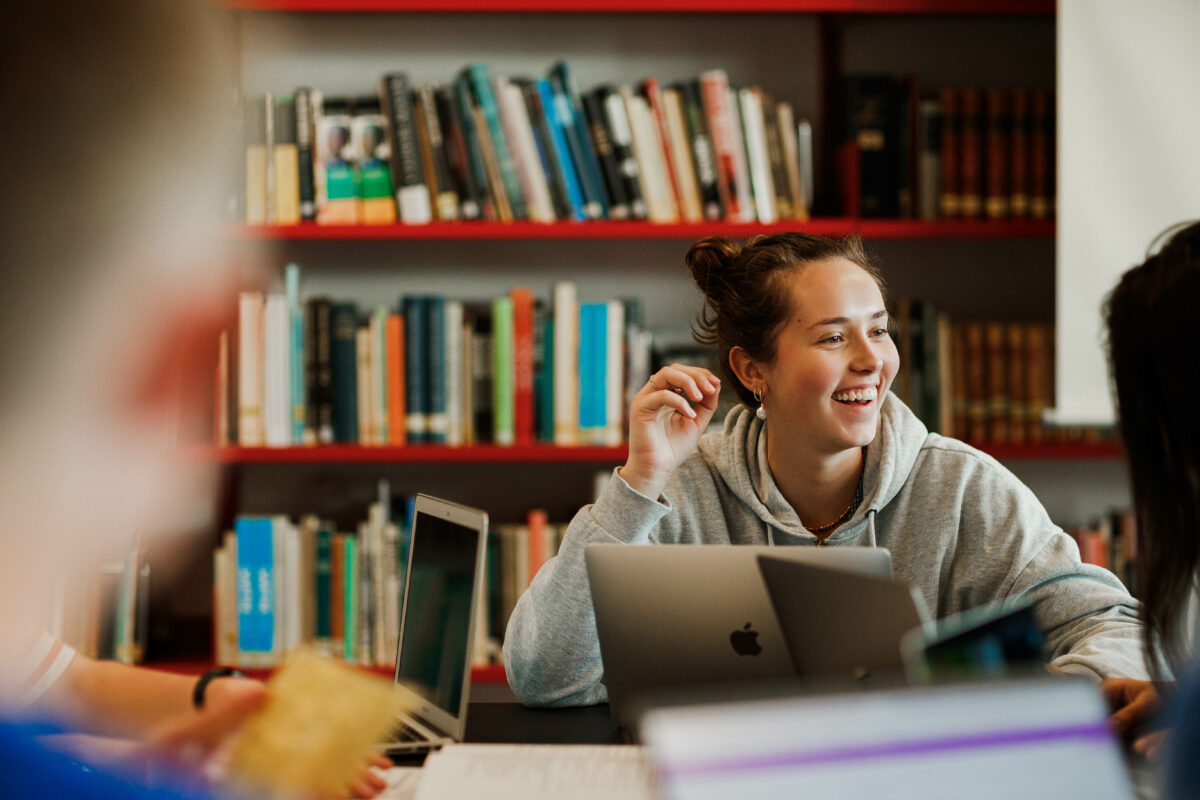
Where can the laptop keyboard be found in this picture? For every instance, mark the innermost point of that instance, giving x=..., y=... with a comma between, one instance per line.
x=403, y=732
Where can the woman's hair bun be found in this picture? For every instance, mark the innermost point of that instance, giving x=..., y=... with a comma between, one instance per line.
x=710, y=258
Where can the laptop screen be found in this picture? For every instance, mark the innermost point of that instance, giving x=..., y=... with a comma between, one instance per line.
x=435, y=634
x=1036, y=738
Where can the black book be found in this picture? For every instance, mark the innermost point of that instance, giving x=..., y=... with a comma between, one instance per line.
x=412, y=193
x=481, y=370
x=458, y=159
x=579, y=142
x=318, y=371
x=305, y=133
x=873, y=122
x=610, y=167
x=540, y=123
x=621, y=137
x=702, y=149
x=479, y=174
x=343, y=363
x=447, y=191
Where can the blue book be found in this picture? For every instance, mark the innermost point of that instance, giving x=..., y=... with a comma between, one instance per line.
x=323, y=570
x=593, y=369
x=416, y=369
x=579, y=140
x=437, y=423
x=296, y=355
x=255, y=589
x=562, y=153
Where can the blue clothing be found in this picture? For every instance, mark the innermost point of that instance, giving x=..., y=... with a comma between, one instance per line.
x=28, y=770
x=1182, y=778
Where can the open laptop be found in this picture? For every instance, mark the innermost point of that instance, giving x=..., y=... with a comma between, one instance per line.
x=841, y=625
x=444, y=577
x=1043, y=737
x=677, y=615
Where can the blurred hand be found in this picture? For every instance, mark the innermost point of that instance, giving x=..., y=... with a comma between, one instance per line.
x=664, y=427
x=1134, y=704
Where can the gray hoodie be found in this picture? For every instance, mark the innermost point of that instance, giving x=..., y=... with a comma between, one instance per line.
x=960, y=527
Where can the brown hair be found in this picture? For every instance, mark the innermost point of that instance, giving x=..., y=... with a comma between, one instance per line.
x=745, y=301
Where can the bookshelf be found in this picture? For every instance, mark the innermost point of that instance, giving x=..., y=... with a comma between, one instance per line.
x=797, y=48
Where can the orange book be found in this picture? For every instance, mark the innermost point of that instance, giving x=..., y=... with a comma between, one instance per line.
x=394, y=335
x=535, y=520
x=522, y=302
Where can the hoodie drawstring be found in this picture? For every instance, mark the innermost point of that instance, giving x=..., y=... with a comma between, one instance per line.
x=871, y=528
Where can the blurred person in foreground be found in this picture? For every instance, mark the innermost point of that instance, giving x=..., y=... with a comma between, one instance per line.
x=1155, y=369
x=115, y=287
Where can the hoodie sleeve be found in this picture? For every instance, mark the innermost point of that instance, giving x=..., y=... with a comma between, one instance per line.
x=1089, y=621
x=551, y=653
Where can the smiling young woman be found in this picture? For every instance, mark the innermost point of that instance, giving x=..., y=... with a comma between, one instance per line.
x=819, y=452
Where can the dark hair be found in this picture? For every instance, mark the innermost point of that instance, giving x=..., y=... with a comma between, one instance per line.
x=745, y=299
x=1154, y=362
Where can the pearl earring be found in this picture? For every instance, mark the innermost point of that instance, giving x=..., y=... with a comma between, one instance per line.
x=760, y=412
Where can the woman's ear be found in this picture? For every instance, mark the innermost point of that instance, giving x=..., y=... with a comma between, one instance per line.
x=746, y=368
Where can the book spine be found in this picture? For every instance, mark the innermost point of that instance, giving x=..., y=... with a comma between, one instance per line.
x=556, y=179
x=416, y=366
x=997, y=389
x=950, y=198
x=522, y=360
x=714, y=91
x=321, y=582
x=277, y=405
x=324, y=372
x=421, y=126
x=707, y=173
x=481, y=373
x=337, y=590
x=350, y=599
x=543, y=375
x=471, y=139
x=566, y=363
x=588, y=164
x=1018, y=406
x=976, y=382
x=436, y=421
x=652, y=91
x=593, y=369
x=412, y=193
x=446, y=201
x=458, y=157
x=929, y=164
x=269, y=104
x=296, y=347
x=364, y=389
x=343, y=362
x=285, y=162
x=524, y=151
x=691, y=206
x=379, y=375
x=756, y=151
x=660, y=206
x=789, y=145
x=609, y=165
x=305, y=131
x=873, y=127
x=779, y=178
x=564, y=121
x=337, y=192
x=1040, y=153
x=255, y=591
x=804, y=139
x=1018, y=153
x=453, y=337
x=495, y=180
x=221, y=395
x=256, y=160
x=481, y=86
x=561, y=150
x=503, y=422
x=614, y=372
x=998, y=126
x=397, y=423
x=621, y=136
x=250, y=369
x=971, y=143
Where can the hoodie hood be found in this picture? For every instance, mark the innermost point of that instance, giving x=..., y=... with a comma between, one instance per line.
x=739, y=454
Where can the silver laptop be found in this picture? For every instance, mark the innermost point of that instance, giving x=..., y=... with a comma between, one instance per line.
x=444, y=578
x=674, y=615
x=839, y=624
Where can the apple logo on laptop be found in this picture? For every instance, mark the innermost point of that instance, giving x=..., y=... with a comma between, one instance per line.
x=745, y=641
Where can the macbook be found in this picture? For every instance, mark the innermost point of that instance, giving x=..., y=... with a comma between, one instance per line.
x=441, y=593
x=677, y=615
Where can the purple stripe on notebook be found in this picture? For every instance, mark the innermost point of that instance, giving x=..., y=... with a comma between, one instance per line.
x=1092, y=731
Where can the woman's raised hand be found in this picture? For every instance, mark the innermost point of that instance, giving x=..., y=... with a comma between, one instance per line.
x=666, y=419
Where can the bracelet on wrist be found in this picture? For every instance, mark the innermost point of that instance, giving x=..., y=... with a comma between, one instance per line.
x=207, y=678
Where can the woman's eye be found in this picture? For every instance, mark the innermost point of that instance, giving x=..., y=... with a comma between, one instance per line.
x=837, y=337
x=879, y=332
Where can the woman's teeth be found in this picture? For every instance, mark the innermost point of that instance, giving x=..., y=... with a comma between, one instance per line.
x=857, y=395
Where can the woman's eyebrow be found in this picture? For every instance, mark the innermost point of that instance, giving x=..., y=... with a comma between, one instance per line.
x=844, y=320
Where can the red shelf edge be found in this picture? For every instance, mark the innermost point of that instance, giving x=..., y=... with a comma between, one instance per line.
x=1068, y=451
x=410, y=454
x=952, y=7
x=528, y=231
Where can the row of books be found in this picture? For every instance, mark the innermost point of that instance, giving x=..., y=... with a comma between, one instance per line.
x=955, y=153
x=1110, y=541
x=510, y=370
x=104, y=614
x=498, y=148
x=280, y=584
x=985, y=382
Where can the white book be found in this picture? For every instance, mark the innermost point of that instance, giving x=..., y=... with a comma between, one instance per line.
x=250, y=369
x=614, y=380
x=377, y=327
x=309, y=525
x=647, y=149
x=762, y=182
x=804, y=139
x=519, y=131
x=277, y=356
x=637, y=361
x=791, y=158
x=293, y=622
x=362, y=349
x=675, y=118
x=741, y=170
x=391, y=607
x=566, y=363
x=452, y=316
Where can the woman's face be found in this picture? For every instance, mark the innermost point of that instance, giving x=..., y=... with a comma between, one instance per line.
x=834, y=360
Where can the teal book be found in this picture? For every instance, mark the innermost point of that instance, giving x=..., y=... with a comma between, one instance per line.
x=543, y=372
x=437, y=420
x=503, y=377
x=350, y=600
x=297, y=352
x=255, y=590
x=593, y=370
x=562, y=153
x=416, y=369
x=481, y=88
x=474, y=153
x=322, y=574
x=579, y=141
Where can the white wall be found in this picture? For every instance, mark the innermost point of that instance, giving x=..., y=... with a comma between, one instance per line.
x=1129, y=165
